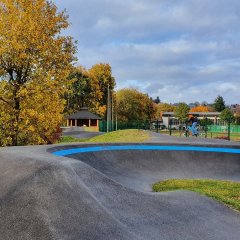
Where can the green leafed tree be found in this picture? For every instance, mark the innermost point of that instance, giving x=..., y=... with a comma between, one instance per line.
x=181, y=111
x=205, y=122
x=237, y=118
x=219, y=104
x=227, y=115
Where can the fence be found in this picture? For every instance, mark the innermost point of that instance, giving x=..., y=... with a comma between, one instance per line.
x=211, y=131
x=229, y=132
x=224, y=128
x=110, y=126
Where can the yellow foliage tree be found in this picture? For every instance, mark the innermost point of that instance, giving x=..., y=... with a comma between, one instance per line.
x=163, y=107
x=133, y=105
x=102, y=73
x=35, y=61
x=90, y=88
x=84, y=91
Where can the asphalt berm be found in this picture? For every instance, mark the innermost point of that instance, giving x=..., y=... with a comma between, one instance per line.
x=107, y=194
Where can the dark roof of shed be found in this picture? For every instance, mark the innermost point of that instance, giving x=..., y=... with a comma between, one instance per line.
x=83, y=114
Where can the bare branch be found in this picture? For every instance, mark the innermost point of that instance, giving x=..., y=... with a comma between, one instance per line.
x=5, y=101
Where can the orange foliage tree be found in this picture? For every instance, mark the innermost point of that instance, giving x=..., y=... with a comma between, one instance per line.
x=199, y=108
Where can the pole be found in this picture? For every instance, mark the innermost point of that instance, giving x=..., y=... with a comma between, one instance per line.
x=229, y=131
x=108, y=109
x=112, y=110
x=170, y=127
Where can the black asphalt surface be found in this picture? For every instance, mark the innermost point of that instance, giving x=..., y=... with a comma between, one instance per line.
x=78, y=132
x=106, y=195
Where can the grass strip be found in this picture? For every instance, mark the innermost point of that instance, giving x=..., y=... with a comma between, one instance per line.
x=129, y=135
x=70, y=139
x=227, y=192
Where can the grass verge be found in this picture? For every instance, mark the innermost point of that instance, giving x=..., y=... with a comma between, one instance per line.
x=70, y=139
x=227, y=192
x=130, y=135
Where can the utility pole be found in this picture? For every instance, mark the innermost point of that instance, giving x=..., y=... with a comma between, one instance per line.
x=108, y=109
x=112, y=108
x=116, y=121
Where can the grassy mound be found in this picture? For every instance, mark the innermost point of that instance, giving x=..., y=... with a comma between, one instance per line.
x=224, y=191
x=130, y=135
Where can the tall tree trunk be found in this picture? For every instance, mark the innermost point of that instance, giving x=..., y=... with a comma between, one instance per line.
x=16, y=117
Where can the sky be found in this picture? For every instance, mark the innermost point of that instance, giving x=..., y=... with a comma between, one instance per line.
x=179, y=50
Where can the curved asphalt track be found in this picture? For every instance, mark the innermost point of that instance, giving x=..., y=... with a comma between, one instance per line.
x=103, y=192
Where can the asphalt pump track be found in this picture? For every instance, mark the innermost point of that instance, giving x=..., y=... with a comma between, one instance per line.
x=104, y=192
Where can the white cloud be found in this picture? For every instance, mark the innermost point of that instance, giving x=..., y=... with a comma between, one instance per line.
x=180, y=50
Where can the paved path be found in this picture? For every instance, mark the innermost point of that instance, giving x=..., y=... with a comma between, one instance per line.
x=78, y=132
x=106, y=195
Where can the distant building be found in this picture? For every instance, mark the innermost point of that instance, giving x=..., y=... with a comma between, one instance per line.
x=168, y=117
x=83, y=118
x=235, y=108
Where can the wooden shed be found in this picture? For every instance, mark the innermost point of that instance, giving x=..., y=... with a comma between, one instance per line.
x=83, y=118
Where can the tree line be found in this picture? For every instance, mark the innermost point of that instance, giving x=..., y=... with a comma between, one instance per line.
x=40, y=83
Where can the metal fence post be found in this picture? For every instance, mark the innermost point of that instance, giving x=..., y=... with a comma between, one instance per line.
x=170, y=127
x=229, y=126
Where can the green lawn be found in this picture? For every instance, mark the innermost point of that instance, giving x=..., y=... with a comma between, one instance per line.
x=130, y=135
x=70, y=139
x=224, y=191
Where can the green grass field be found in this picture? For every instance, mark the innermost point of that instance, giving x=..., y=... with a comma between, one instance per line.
x=226, y=192
x=130, y=135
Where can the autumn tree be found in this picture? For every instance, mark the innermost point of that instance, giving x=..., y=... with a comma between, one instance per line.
x=89, y=88
x=133, y=105
x=163, y=107
x=219, y=104
x=102, y=75
x=35, y=61
x=83, y=92
x=199, y=108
